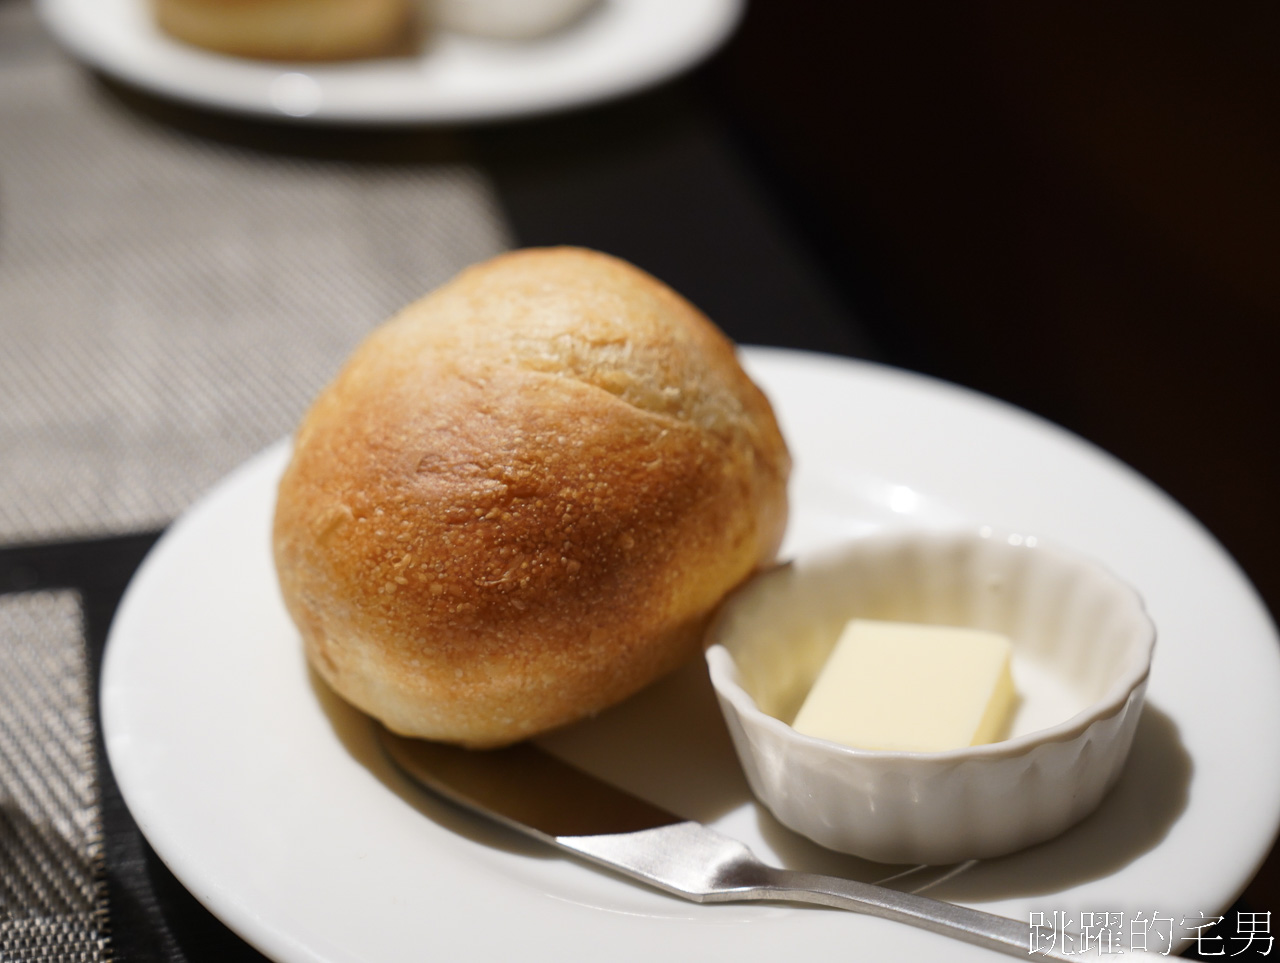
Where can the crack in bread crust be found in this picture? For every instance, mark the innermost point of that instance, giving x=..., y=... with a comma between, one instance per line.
x=477, y=546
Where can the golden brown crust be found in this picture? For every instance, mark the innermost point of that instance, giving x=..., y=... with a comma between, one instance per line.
x=290, y=29
x=523, y=496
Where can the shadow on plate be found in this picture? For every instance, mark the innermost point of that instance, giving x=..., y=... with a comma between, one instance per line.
x=669, y=745
x=1149, y=798
x=358, y=735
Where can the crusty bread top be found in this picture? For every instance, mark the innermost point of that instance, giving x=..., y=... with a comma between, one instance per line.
x=522, y=497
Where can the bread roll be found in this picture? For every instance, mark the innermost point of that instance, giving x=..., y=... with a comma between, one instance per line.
x=522, y=498
x=290, y=29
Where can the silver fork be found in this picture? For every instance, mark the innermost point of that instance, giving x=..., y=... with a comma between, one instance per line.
x=537, y=794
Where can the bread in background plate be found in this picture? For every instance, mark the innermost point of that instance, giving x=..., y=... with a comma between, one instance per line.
x=290, y=29
x=523, y=496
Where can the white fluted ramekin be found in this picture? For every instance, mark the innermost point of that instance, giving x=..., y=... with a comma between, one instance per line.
x=1082, y=647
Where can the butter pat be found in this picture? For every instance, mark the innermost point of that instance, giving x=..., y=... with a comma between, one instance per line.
x=914, y=688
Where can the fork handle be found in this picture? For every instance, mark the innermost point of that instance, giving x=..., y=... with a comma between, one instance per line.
x=700, y=864
x=948, y=919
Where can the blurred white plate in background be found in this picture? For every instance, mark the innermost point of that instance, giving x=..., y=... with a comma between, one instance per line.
x=618, y=47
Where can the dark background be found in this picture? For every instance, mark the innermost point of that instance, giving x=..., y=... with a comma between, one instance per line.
x=1072, y=207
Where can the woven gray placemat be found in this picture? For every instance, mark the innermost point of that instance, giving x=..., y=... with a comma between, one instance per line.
x=169, y=304
x=52, y=889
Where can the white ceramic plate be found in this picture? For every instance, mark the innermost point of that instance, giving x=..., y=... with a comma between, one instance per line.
x=269, y=800
x=619, y=47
